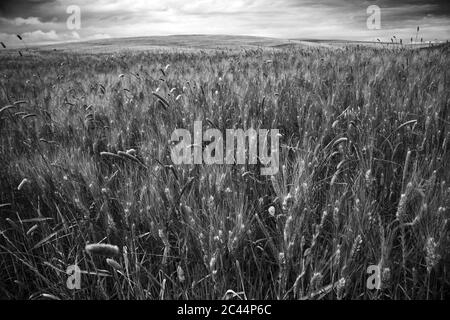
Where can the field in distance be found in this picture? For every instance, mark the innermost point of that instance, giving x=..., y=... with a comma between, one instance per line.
x=198, y=42
x=189, y=41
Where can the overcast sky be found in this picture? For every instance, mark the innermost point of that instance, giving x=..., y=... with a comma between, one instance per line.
x=45, y=20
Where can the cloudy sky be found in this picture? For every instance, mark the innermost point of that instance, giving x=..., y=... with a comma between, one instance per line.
x=40, y=21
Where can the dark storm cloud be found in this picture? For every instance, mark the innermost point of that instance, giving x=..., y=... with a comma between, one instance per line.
x=394, y=13
x=27, y=8
x=434, y=7
x=393, y=9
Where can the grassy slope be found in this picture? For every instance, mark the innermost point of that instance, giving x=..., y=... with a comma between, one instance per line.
x=365, y=155
x=196, y=42
x=175, y=41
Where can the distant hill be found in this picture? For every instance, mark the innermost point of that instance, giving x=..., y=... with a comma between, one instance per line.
x=176, y=41
x=198, y=42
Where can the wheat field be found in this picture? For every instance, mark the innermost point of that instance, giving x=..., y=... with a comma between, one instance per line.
x=363, y=178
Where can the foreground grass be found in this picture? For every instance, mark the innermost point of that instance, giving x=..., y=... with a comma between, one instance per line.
x=364, y=176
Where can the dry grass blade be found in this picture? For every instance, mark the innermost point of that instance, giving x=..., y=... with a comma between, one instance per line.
x=5, y=108
x=44, y=241
x=111, y=155
x=47, y=296
x=127, y=155
x=163, y=101
x=32, y=229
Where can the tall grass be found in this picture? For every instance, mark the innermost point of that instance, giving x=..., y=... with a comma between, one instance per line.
x=85, y=160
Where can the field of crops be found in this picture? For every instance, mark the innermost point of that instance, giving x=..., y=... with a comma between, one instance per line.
x=363, y=180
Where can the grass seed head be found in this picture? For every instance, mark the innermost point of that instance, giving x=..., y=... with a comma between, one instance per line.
x=432, y=257
x=180, y=274
x=272, y=211
x=102, y=249
x=23, y=183
x=113, y=264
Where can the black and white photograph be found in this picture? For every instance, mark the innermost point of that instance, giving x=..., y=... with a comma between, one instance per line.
x=242, y=152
